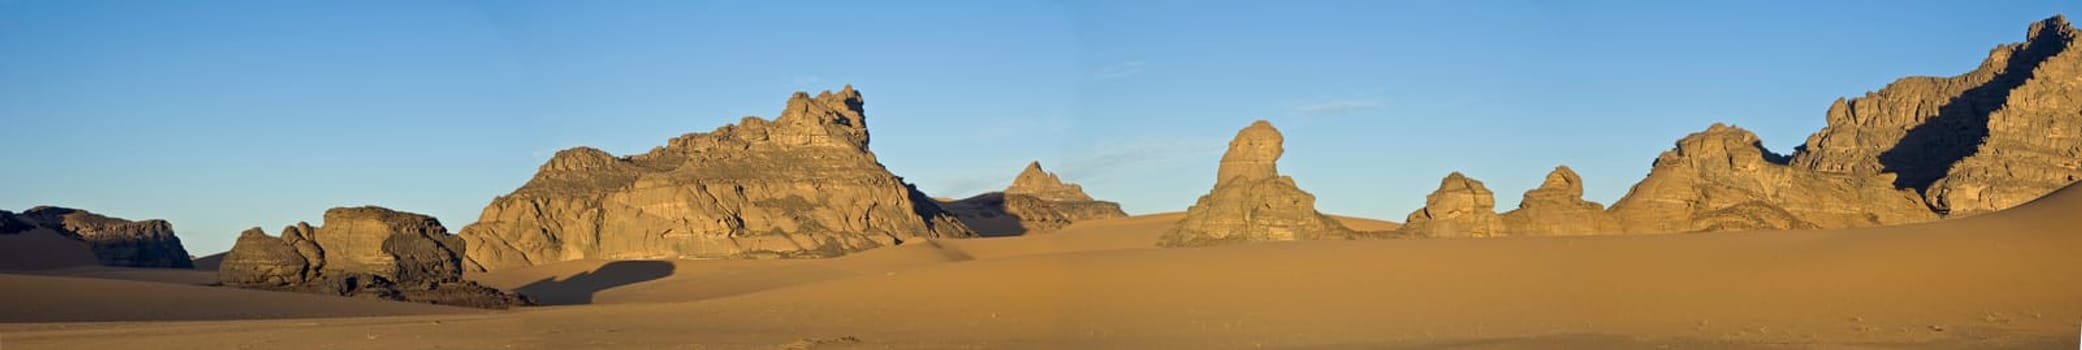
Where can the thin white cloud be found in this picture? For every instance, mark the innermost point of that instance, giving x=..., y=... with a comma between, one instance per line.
x=1335, y=107
x=1148, y=151
x=1120, y=70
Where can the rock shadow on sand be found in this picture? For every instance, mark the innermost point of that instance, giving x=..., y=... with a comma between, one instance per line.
x=579, y=289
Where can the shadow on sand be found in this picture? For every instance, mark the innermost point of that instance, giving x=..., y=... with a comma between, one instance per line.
x=579, y=289
x=986, y=214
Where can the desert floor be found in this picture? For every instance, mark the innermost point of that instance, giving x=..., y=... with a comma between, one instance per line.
x=2005, y=280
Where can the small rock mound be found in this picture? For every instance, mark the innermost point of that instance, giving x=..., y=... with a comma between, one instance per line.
x=115, y=241
x=1557, y=208
x=1461, y=207
x=368, y=252
x=1251, y=202
x=1037, y=202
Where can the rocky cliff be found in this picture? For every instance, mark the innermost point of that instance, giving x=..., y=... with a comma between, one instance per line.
x=1923, y=147
x=1251, y=201
x=368, y=252
x=115, y=242
x=2005, y=133
x=801, y=185
x=1037, y=202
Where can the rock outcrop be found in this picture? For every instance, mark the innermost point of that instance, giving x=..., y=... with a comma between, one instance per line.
x=1251, y=201
x=367, y=252
x=115, y=241
x=2005, y=133
x=1037, y=202
x=1557, y=208
x=1723, y=179
x=1461, y=207
x=801, y=185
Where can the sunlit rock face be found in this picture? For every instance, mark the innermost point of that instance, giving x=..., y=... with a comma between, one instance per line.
x=1722, y=179
x=1251, y=202
x=1460, y=207
x=801, y=185
x=2005, y=133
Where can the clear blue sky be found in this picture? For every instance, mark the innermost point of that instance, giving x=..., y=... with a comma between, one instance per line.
x=222, y=115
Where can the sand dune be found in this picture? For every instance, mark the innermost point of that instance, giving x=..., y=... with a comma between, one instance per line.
x=41, y=249
x=210, y=262
x=72, y=299
x=2003, y=280
x=161, y=275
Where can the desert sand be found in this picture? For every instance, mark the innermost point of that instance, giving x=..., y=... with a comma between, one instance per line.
x=2005, y=280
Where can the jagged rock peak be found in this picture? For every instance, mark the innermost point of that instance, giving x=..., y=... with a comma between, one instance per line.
x=1253, y=154
x=1040, y=183
x=2057, y=25
x=838, y=115
x=1977, y=142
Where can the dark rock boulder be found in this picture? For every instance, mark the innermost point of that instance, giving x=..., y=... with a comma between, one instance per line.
x=362, y=252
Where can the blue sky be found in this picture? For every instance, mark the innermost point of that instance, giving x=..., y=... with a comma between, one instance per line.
x=223, y=115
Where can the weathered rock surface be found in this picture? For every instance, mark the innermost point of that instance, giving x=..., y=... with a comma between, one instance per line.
x=1557, y=208
x=1723, y=179
x=115, y=242
x=802, y=185
x=2005, y=133
x=1037, y=202
x=363, y=252
x=1461, y=207
x=1251, y=202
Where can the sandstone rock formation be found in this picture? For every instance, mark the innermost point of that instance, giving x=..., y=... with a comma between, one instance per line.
x=1037, y=202
x=1251, y=201
x=801, y=185
x=1461, y=207
x=1723, y=179
x=116, y=242
x=1557, y=208
x=2005, y=133
x=1923, y=147
x=363, y=252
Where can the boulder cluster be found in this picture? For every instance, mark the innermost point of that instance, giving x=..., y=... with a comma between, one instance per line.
x=1037, y=202
x=801, y=185
x=367, y=252
x=114, y=241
